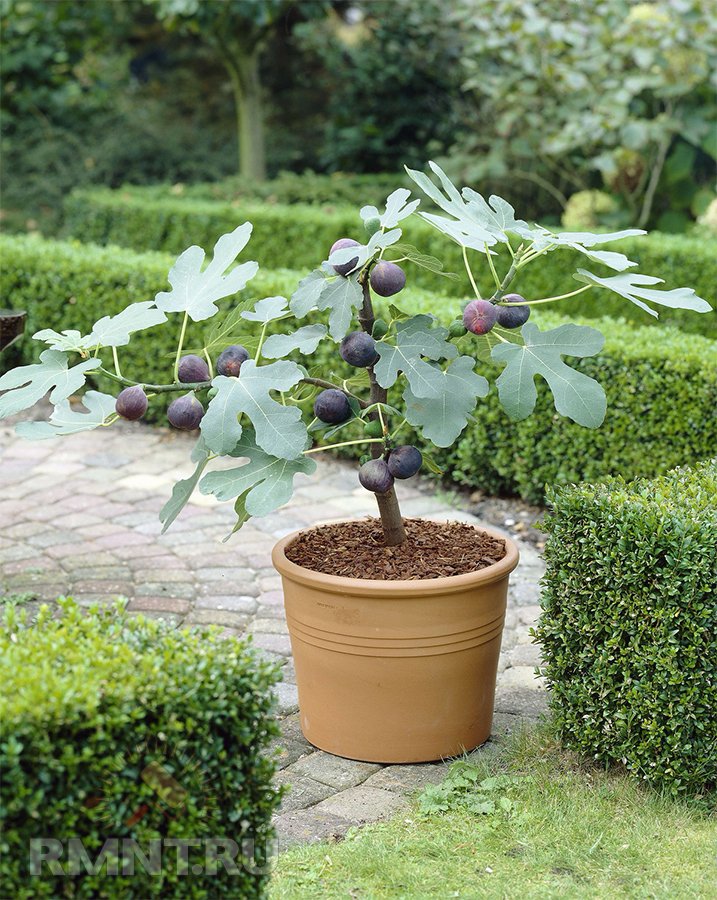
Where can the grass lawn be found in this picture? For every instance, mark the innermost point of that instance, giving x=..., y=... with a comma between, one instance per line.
x=528, y=822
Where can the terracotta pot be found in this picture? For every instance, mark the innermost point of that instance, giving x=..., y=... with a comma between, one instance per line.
x=396, y=671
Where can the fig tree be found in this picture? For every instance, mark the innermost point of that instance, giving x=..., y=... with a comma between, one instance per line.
x=344, y=268
x=375, y=476
x=514, y=315
x=480, y=316
x=231, y=359
x=387, y=279
x=404, y=461
x=332, y=406
x=358, y=349
x=185, y=412
x=131, y=403
x=192, y=369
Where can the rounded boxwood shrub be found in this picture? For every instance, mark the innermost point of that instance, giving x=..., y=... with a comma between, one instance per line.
x=119, y=729
x=629, y=624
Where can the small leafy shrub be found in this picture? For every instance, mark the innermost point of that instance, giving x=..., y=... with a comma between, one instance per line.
x=629, y=624
x=120, y=727
x=138, y=218
x=465, y=788
x=661, y=394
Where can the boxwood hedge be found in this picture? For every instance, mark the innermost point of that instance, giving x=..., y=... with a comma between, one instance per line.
x=299, y=234
x=122, y=729
x=661, y=393
x=629, y=624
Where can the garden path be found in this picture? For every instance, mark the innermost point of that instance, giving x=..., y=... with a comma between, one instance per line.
x=78, y=516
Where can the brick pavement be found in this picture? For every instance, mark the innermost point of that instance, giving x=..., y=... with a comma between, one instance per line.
x=78, y=516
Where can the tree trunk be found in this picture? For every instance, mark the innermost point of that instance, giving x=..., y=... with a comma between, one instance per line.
x=244, y=75
x=388, y=508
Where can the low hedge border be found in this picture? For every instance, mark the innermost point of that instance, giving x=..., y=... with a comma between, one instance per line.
x=137, y=218
x=661, y=394
x=100, y=711
x=629, y=624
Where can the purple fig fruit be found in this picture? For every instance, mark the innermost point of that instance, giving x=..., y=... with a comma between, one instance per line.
x=131, y=403
x=231, y=359
x=358, y=349
x=404, y=461
x=185, y=412
x=332, y=406
x=375, y=476
x=513, y=316
x=192, y=369
x=480, y=316
x=342, y=243
x=387, y=279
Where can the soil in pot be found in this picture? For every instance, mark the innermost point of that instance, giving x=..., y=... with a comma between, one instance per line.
x=431, y=550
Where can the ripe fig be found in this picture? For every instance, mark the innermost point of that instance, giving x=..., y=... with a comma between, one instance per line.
x=387, y=279
x=480, y=316
x=375, y=476
x=131, y=403
x=373, y=429
x=231, y=359
x=192, y=369
x=185, y=412
x=332, y=406
x=344, y=268
x=404, y=461
x=358, y=349
x=513, y=316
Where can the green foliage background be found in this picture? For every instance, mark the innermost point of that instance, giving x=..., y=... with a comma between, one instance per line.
x=629, y=624
x=661, y=389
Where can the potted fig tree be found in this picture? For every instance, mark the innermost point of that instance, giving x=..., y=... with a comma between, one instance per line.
x=395, y=624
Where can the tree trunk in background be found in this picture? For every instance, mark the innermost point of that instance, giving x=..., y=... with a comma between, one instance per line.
x=244, y=74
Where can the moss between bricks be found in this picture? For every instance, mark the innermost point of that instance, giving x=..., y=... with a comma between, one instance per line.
x=661, y=386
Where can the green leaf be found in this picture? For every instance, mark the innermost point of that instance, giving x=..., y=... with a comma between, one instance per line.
x=466, y=227
x=632, y=287
x=28, y=384
x=115, y=331
x=279, y=429
x=341, y=296
x=264, y=483
x=65, y=420
x=415, y=337
x=576, y=395
x=230, y=330
x=481, y=345
x=397, y=209
x=195, y=291
x=183, y=490
x=109, y=331
x=497, y=216
x=305, y=339
x=422, y=260
x=444, y=414
x=306, y=296
x=267, y=310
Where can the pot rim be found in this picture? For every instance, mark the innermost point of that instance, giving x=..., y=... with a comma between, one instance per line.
x=382, y=588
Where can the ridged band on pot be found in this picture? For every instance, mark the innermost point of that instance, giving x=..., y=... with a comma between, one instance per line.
x=396, y=671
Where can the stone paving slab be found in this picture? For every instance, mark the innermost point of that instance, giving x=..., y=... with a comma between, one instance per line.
x=78, y=516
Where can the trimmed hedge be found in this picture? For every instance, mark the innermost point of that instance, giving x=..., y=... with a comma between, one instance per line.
x=99, y=710
x=661, y=394
x=629, y=624
x=302, y=235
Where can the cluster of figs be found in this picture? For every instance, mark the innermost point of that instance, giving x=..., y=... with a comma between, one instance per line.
x=185, y=412
x=480, y=316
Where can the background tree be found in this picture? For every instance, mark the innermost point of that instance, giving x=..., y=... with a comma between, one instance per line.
x=238, y=32
x=568, y=94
